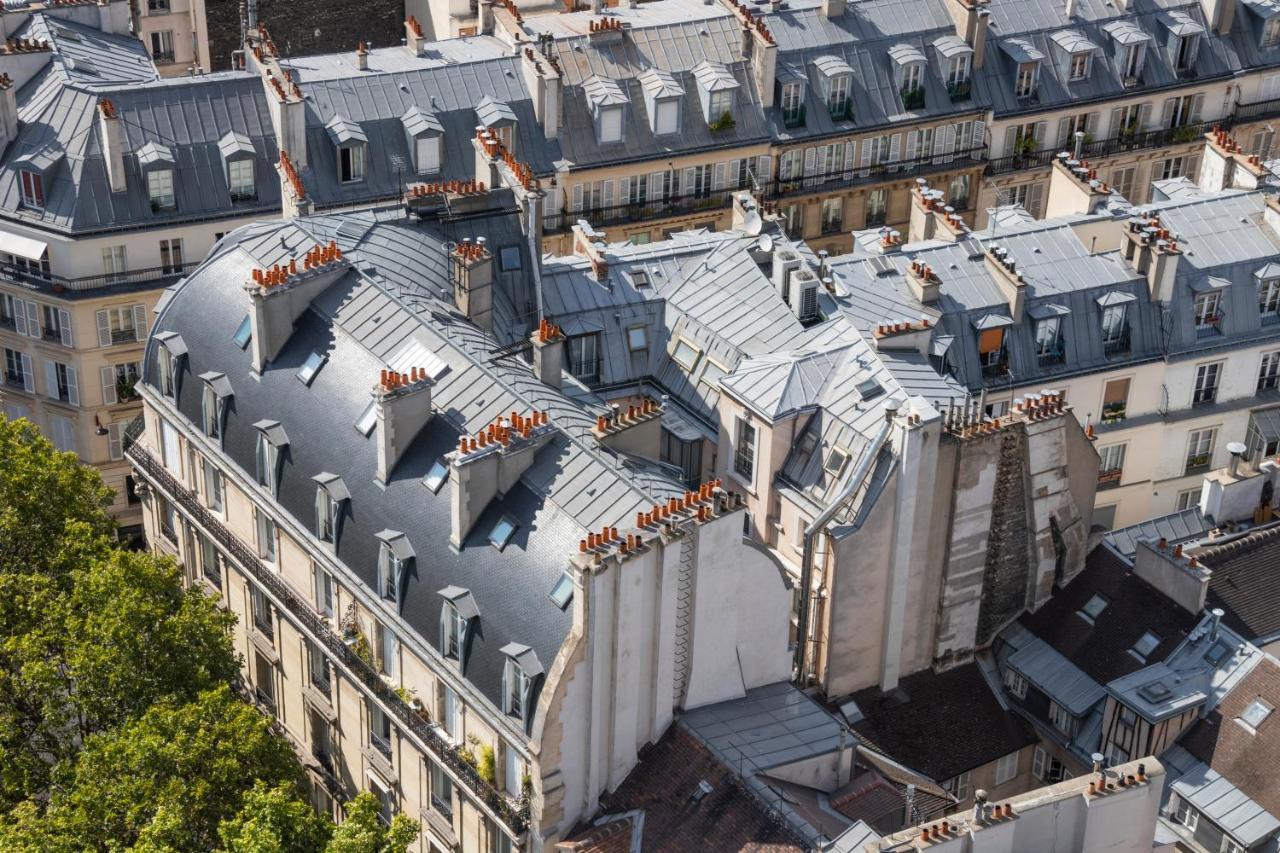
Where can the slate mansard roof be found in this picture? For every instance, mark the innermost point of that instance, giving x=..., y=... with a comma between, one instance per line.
x=385, y=312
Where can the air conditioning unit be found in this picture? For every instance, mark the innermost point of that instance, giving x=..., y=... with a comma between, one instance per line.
x=804, y=295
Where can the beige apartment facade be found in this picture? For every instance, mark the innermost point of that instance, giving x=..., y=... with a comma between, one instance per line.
x=176, y=34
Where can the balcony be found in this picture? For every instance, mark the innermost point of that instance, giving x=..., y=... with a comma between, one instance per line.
x=1198, y=463
x=515, y=816
x=1125, y=141
x=913, y=99
x=793, y=118
x=960, y=91
x=160, y=276
x=1257, y=111
x=998, y=370
x=1113, y=413
x=840, y=179
x=1052, y=355
x=1116, y=346
x=1207, y=327
x=618, y=214
x=842, y=110
x=1109, y=479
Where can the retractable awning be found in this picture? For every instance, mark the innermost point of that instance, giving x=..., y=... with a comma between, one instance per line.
x=23, y=247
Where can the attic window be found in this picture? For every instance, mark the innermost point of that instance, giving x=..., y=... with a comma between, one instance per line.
x=427, y=154
x=160, y=189
x=1217, y=653
x=712, y=372
x=436, y=475
x=639, y=279
x=562, y=593
x=637, y=339
x=1256, y=714
x=502, y=532
x=509, y=257
x=351, y=164
x=213, y=403
x=330, y=493
x=394, y=554
x=869, y=389
x=1271, y=32
x=240, y=180
x=1093, y=608
x=836, y=460
x=32, y=188
x=685, y=354
x=367, y=419
x=311, y=367
x=268, y=456
x=243, y=332
x=1145, y=646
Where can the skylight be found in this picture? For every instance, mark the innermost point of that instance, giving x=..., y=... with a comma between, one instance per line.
x=685, y=355
x=436, y=475
x=502, y=532
x=510, y=258
x=243, y=333
x=1093, y=608
x=310, y=368
x=870, y=389
x=364, y=424
x=1146, y=645
x=562, y=592
x=712, y=372
x=1217, y=652
x=836, y=460
x=1257, y=712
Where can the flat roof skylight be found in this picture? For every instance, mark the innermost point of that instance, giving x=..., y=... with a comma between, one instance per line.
x=502, y=532
x=243, y=333
x=436, y=475
x=562, y=592
x=311, y=367
x=367, y=419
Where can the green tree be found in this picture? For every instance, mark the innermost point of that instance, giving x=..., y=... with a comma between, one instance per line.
x=164, y=781
x=42, y=492
x=363, y=832
x=274, y=820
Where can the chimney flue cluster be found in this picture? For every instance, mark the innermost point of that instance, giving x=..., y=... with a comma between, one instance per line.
x=502, y=432
x=700, y=506
x=317, y=258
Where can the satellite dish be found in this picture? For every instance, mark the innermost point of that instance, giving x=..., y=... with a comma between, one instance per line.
x=752, y=224
x=765, y=244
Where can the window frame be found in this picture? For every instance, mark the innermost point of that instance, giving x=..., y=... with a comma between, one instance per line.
x=161, y=192
x=744, y=450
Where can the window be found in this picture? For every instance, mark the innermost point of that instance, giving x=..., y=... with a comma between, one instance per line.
x=261, y=609
x=1115, y=400
x=324, y=593
x=637, y=339
x=266, y=536
x=1269, y=297
x=1184, y=56
x=793, y=220
x=379, y=730
x=427, y=154
x=958, y=786
x=264, y=680
x=792, y=103
x=611, y=124
x=209, y=565
x=1230, y=846
x=16, y=369
x=1206, y=387
x=321, y=739
x=453, y=631
x=449, y=711
x=122, y=324
x=1256, y=714
x=63, y=384
x=562, y=593
x=267, y=459
x=1111, y=469
x=1016, y=683
x=1206, y=310
x=912, y=77
x=832, y=215
x=441, y=788
x=386, y=639
x=32, y=188
x=436, y=475
x=721, y=105
x=1181, y=111
x=958, y=191
x=160, y=187
x=1146, y=644
x=1024, y=85
x=685, y=354
x=1006, y=768
x=240, y=179
x=368, y=418
x=243, y=332
x=1269, y=371
x=1131, y=62
x=584, y=360
x=327, y=510
x=386, y=800
x=170, y=450
x=1048, y=769
x=57, y=324
x=744, y=451
x=667, y=118
x=213, y=487
x=1187, y=499
x=876, y=210
x=351, y=163
x=1060, y=717
x=1200, y=450
x=311, y=367
x=838, y=96
x=1172, y=168
x=958, y=72
x=1115, y=329
x=390, y=572
x=991, y=351
x=1124, y=180
x=1093, y=608
x=211, y=411
x=1049, y=340
x=171, y=256
x=502, y=532
x=1186, y=815
x=162, y=46
x=516, y=688
x=835, y=462
x=318, y=668
x=509, y=258
x=168, y=519
x=1079, y=68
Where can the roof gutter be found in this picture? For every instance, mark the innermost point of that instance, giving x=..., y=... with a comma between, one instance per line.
x=811, y=532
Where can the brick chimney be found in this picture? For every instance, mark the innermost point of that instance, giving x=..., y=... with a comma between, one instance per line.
x=542, y=78
x=971, y=19
x=403, y=402
x=548, y=353
x=472, y=268
x=904, y=336
x=635, y=428
x=362, y=57
x=1004, y=271
x=932, y=218
x=112, y=148
x=1074, y=188
x=413, y=39
x=924, y=282
x=1225, y=165
x=488, y=464
x=279, y=295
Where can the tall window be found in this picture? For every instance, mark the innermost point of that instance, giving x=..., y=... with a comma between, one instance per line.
x=351, y=165
x=171, y=256
x=744, y=452
x=1049, y=340
x=162, y=46
x=324, y=592
x=379, y=729
x=267, y=459
x=1269, y=296
x=832, y=215
x=877, y=209
x=584, y=357
x=1006, y=768
x=667, y=119
x=1269, y=371
x=958, y=71
x=113, y=260
x=441, y=788
x=1115, y=400
x=1200, y=449
x=838, y=96
x=453, y=630
x=1112, y=467
x=516, y=683
x=721, y=104
x=1025, y=83
x=1079, y=68
x=240, y=179
x=427, y=154
x=213, y=487
x=991, y=352
x=958, y=786
x=1115, y=329
x=32, y=188
x=261, y=611
x=264, y=680
x=266, y=537
x=1206, y=388
x=211, y=412
x=1060, y=717
x=793, y=104
x=160, y=187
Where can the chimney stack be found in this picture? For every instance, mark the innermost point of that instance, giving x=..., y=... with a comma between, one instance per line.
x=112, y=148
x=472, y=267
x=490, y=463
x=279, y=295
x=1215, y=622
x=548, y=353
x=635, y=428
x=403, y=402
x=833, y=8
x=362, y=57
x=413, y=39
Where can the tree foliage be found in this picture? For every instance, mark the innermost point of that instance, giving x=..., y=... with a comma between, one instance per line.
x=274, y=820
x=363, y=832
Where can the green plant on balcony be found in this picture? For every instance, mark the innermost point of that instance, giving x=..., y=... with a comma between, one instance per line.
x=725, y=122
x=1026, y=146
x=959, y=91
x=407, y=695
x=840, y=110
x=793, y=117
x=467, y=751
x=1113, y=413
x=913, y=99
x=487, y=765
x=125, y=391
x=1186, y=133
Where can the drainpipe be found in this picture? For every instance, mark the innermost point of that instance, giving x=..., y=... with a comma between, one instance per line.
x=811, y=532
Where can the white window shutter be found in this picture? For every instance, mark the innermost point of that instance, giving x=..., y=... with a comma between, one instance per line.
x=1191, y=167
x=140, y=322
x=1197, y=106
x=51, y=380
x=849, y=151
x=33, y=320
x=913, y=142
x=1166, y=113
x=28, y=375
x=810, y=160
x=1010, y=141
x=979, y=135
x=108, y=386
x=764, y=168
x=577, y=198
x=19, y=317
x=607, y=194
x=1034, y=196
x=104, y=329
x=64, y=326
x=1117, y=122
x=1144, y=116
x=1064, y=129
x=687, y=178
x=624, y=190
x=717, y=176
x=73, y=387
x=1091, y=124
x=1037, y=764
x=895, y=147
x=1042, y=128
x=115, y=447
x=945, y=138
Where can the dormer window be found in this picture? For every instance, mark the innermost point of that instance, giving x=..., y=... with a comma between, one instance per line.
x=662, y=96
x=394, y=556
x=1182, y=40
x=717, y=87
x=456, y=615
x=1271, y=32
x=908, y=74
x=1025, y=83
x=1269, y=293
x=957, y=62
x=836, y=78
x=607, y=104
x=1074, y=55
x=213, y=403
x=425, y=137
x=331, y=493
x=268, y=455
x=519, y=678
x=351, y=145
x=498, y=117
x=172, y=349
x=35, y=168
x=237, y=157
x=32, y=188
x=157, y=164
x=792, y=103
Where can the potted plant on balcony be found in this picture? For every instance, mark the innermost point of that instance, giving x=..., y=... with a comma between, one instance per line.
x=959, y=91
x=1186, y=133
x=125, y=391
x=913, y=99
x=725, y=122
x=486, y=764
x=1113, y=413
